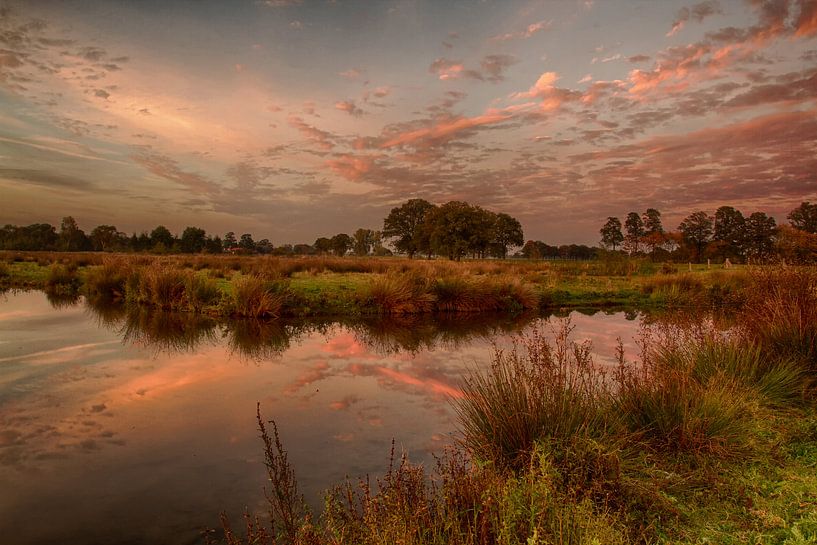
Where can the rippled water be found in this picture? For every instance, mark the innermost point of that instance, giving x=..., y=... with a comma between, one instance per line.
x=139, y=427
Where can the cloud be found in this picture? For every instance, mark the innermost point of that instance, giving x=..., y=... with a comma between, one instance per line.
x=805, y=25
x=296, y=25
x=492, y=68
x=447, y=69
x=552, y=97
x=280, y=3
x=349, y=107
x=322, y=139
x=525, y=33
x=351, y=73
x=638, y=58
x=167, y=168
x=698, y=13
x=46, y=179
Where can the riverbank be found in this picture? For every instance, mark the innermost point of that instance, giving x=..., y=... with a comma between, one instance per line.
x=709, y=437
x=263, y=287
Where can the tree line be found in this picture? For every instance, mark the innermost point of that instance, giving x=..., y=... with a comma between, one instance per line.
x=729, y=234
x=454, y=230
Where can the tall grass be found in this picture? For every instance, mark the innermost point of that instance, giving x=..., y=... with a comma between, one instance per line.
x=536, y=391
x=62, y=279
x=397, y=294
x=780, y=313
x=255, y=297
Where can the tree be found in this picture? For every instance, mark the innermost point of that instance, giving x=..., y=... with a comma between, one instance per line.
x=652, y=222
x=364, y=240
x=323, y=245
x=106, y=238
x=264, y=246
x=759, y=237
x=728, y=232
x=72, y=238
x=611, y=235
x=246, y=242
x=457, y=228
x=230, y=240
x=634, y=227
x=193, y=240
x=696, y=231
x=214, y=245
x=804, y=217
x=796, y=246
x=303, y=249
x=161, y=235
x=340, y=244
x=507, y=232
x=403, y=224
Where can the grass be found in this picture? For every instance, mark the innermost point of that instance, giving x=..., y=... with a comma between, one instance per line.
x=333, y=286
x=711, y=437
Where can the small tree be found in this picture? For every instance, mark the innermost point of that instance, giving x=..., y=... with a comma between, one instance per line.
x=804, y=217
x=634, y=228
x=611, y=235
x=161, y=235
x=507, y=232
x=696, y=230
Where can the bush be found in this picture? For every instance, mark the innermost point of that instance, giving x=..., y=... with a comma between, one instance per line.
x=397, y=294
x=109, y=279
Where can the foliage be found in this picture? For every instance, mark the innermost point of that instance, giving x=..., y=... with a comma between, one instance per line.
x=611, y=235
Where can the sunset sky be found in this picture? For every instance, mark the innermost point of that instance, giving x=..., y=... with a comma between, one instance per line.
x=296, y=119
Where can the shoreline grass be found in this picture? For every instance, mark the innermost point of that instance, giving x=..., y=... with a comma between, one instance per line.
x=315, y=286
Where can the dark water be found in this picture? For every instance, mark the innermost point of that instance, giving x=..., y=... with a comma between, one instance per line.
x=139, y=427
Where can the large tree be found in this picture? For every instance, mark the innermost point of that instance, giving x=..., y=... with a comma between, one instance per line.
x=696, y=231
x=507, y=232
x=634, y=232
x=340, y=244
x=804, y=217
x=323, y=245
x=107, y=238
x=161, y=235
x=759, y=236
x=193, y=240
x=403, y=223
x=611, y=235
x=72, y=238
x=364, y=240
x=729, y=231
x=457, y=228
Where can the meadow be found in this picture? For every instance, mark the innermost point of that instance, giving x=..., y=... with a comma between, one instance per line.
x=710, y=436
x=272, y=287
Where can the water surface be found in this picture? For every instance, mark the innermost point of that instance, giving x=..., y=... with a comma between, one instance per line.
x=139, y=427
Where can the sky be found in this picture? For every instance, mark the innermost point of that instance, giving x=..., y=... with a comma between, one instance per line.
x=297, y=119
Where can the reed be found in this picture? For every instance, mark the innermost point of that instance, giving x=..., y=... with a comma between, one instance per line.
x=254, y=297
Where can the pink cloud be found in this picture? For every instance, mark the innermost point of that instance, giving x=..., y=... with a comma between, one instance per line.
x=349, y=107
x=525, y=33
x=321, y=138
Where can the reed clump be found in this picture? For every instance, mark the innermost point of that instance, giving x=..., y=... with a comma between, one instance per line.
x=780, y=313
x=535, y=391
x=254, y=297
x=397, y=294
x=110, y=279
x=62, y=279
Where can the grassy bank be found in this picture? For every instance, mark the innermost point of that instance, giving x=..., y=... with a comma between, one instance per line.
x=267, y=287
x=709, y=437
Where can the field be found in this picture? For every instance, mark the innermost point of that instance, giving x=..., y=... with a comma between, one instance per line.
x=332, y=286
